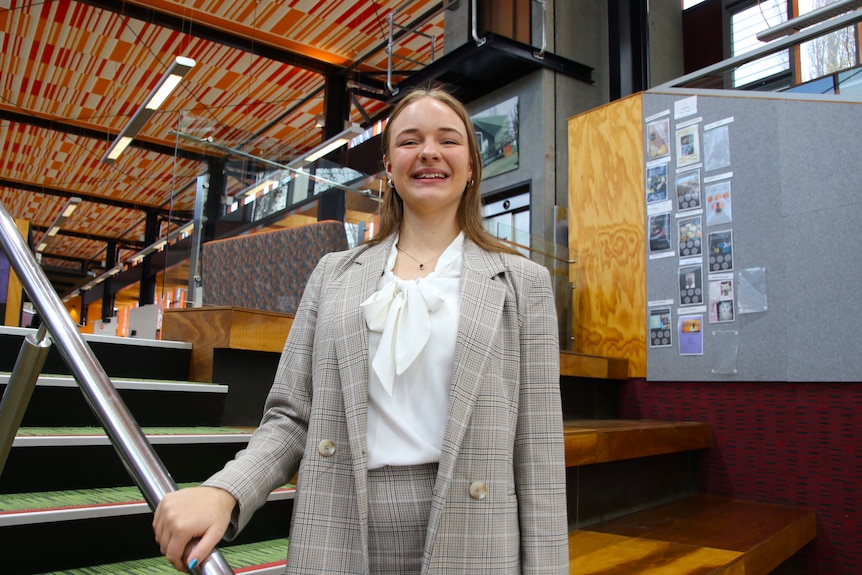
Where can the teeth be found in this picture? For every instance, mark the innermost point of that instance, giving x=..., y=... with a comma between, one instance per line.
x=430, y=176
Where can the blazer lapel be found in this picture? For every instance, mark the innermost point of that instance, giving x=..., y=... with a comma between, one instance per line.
x=482, y=299
x=356, y=281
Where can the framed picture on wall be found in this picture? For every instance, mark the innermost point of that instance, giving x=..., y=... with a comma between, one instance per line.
x=497, y=133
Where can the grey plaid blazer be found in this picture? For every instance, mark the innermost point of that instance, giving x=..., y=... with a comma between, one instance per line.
x=504, y=427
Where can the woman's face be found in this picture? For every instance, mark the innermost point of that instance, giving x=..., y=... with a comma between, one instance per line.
x=428, y=159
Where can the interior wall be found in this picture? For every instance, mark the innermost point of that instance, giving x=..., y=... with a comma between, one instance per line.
x=534, y=147
x=665, y=42
x=607, y=231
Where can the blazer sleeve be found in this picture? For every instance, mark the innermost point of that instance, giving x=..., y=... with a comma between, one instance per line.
x=275, y=449
x=540, y=473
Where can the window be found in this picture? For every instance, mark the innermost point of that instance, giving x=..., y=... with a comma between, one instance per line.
x=814, y=59
x=744, y=26
x=827, y=54
x=686, y=4
x=508, y=218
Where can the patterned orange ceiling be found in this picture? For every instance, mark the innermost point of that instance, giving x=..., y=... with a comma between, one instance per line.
x=72, y=74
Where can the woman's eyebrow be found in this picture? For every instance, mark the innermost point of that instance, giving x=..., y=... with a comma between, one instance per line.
x=445, y=129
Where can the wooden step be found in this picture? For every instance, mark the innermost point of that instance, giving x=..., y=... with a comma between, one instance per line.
x=602, y=440
x=701, y=535
x=574, y=364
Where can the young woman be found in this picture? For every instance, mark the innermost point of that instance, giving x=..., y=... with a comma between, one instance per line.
x=417, y=394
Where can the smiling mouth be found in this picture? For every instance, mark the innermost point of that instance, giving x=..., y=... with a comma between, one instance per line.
x=430, y=177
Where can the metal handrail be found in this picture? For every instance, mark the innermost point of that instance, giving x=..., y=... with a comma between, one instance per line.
x=768, y=49
x=141, y=461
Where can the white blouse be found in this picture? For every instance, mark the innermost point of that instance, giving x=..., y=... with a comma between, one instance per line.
x=413, y=325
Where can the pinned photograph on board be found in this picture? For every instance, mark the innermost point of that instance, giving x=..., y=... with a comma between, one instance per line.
x=659, y=233
x=691, y=285
x=656, y=183
x=721, y=251
x=691, y=335
x=721, y=308
x=718, y=204
x=660, y=331
x=658, y=139
x=716, y=148
x=687, y=146
x=688, y=191
x=691, y=237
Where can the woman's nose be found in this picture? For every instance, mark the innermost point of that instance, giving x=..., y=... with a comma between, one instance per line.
x=429, y=150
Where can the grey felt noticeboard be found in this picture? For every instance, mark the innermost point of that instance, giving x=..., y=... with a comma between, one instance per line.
x=795, y=235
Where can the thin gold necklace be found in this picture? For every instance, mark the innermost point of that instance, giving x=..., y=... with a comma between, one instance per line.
x=421, y=263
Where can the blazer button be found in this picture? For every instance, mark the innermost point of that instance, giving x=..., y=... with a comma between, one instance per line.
x=326, y=448
x=478, y=490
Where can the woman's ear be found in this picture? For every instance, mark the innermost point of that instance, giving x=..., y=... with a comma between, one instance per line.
x=387, y=167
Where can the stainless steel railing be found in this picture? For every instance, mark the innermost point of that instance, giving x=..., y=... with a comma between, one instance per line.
x=141, y=461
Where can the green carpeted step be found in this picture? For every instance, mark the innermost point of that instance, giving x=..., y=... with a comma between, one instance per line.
x=239, y=557
x=99, y=431
x=46, y=500
x=71, y=498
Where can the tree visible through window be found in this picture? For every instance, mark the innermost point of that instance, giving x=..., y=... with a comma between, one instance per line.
x=827, y=54
x=814, y=59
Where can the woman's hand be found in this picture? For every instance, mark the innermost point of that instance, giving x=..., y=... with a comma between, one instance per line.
x=188, y=514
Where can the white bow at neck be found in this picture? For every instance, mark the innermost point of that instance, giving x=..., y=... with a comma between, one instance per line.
x=401, y=312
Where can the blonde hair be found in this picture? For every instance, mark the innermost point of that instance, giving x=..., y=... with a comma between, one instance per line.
x=469, y=213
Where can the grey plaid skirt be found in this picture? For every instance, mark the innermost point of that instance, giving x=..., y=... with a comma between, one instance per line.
x=399, y=502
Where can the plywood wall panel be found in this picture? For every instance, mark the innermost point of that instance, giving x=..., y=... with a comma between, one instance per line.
x=607, y=231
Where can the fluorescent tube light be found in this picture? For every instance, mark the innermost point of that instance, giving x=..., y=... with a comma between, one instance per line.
x=329, y=145
x=70, y=207
x=170, y=82
x=156, y=98
x=118, y=147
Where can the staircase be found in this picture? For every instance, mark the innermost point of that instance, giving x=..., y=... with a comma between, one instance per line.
x=634, y=506
x=67, y=504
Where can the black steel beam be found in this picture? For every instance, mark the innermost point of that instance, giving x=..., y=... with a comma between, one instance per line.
x=65, y=128
x=121, y=243
x=186, y=25
x=36, y=188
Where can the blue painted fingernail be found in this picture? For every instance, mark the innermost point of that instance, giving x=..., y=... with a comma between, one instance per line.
x=192, y=564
